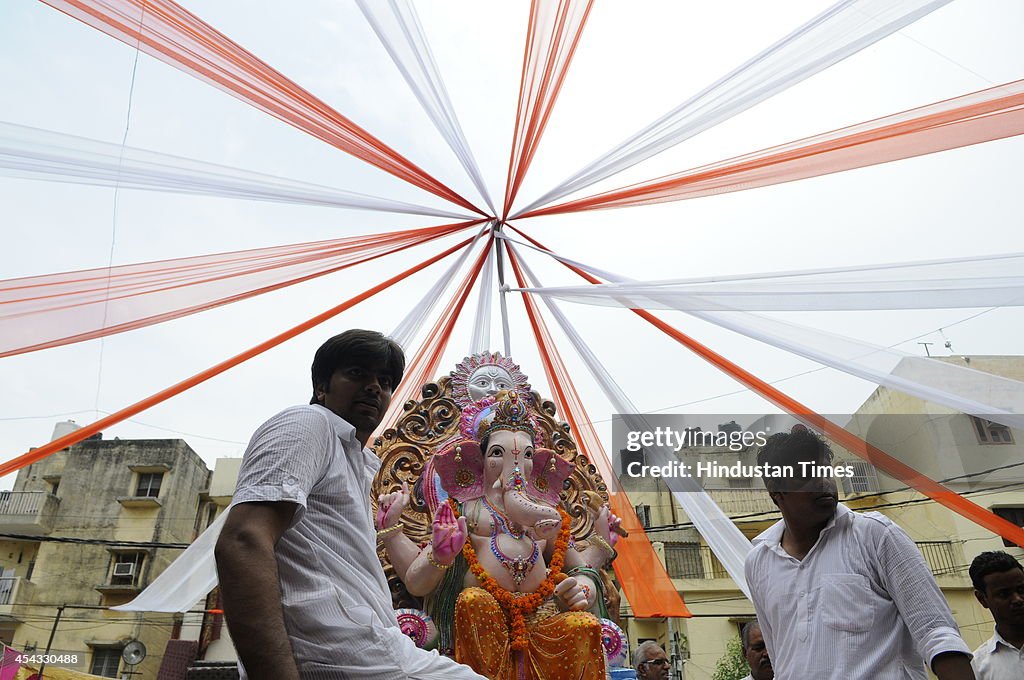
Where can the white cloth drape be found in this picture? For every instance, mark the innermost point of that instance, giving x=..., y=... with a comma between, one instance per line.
x=978, y=281
x=967, y=390
x=398, y=27
x=725, y=540
x=840, y=31
x=186, y=580
x=31, y=153
x=481, y=340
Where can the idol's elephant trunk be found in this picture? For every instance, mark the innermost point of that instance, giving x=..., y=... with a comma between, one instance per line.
x=526, y=512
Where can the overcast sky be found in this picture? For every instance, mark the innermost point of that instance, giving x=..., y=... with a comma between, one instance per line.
x=635, y=61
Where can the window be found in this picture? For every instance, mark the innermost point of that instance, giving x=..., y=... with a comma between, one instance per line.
x=864, y=480
x=643, y=513
x=628, y=457
x=126, y=568
x=991, y=433
x=105, y=661
x=149, y=484
x=683, y=560
x=1015, y=515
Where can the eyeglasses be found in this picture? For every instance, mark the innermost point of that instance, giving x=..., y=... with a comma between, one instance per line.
x=658, y=662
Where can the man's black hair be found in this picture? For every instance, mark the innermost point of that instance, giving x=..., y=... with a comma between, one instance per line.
x=791, y=448
x=356, y=348
x=745, y=633
x=992, y=562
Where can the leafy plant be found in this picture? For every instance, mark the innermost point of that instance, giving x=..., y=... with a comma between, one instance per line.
x=732, y=665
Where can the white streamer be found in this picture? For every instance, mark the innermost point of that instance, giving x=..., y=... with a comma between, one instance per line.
x=979, y=281
x=837, y=33
x=969, y=391
x=398, y=27
x=31, y=153
x=408, y=327
x=727, y=542
x=481, y=340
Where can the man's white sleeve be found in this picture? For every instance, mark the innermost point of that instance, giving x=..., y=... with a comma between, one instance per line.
x=285, y=458
x=909, y=581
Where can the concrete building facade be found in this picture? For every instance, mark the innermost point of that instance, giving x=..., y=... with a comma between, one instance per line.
x=60, y=553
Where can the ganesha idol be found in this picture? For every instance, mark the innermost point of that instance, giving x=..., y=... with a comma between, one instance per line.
x=490, y=521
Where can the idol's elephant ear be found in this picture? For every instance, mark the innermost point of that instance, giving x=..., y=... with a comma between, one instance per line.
x=549, y=474
x=461, y=469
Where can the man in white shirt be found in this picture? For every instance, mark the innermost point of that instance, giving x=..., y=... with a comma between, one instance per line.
x=304, y=593
x=755, y=652
x=998, y=580
x=840, y=594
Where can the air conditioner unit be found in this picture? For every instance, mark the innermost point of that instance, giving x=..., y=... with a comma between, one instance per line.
x=124, y=569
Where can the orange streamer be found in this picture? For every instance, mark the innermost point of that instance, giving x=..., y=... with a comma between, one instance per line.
x=87, y=431
x=983, y=116
x=165, y=30
x=551, y=39
x=647, y=585
x=57, y=309
x=880, y=459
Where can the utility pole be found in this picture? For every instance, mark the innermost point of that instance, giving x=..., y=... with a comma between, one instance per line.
x=926, y=346
x=49, y=643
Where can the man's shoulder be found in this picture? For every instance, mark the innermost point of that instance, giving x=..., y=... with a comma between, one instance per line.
x=308, y=417
x=874, y=526
x=985, y=649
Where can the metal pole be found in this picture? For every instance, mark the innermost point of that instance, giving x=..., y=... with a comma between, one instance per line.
x=501, y=288
x=49, y=643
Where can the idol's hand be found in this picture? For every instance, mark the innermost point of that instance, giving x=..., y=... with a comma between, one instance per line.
x=572, y=593
x=607, y=524
x=447, y=536
x=391, y=506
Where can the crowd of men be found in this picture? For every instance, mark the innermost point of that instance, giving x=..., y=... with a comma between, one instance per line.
x=837, y=594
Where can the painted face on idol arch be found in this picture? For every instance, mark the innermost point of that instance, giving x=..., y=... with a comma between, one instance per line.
x=504, y=449
x=487, y=381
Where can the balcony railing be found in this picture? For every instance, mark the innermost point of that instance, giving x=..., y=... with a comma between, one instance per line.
x=693, y=561
x=743, y=501
x=940, y=556
x=27, y=511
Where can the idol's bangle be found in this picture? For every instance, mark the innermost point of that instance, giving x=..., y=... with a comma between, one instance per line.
x=603, y=544
x=383, y=533
x=435, y=563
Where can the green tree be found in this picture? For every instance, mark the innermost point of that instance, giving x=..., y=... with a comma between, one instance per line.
x=732, y=665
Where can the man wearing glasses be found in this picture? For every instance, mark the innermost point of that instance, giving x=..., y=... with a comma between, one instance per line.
x=650, y=661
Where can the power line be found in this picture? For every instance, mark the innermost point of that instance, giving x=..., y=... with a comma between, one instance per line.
x=750, y=517
x=95, y=541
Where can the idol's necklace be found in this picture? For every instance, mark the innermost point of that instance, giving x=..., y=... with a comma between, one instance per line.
x=518, y=567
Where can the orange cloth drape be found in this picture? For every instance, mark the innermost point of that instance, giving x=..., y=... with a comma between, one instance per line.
x=983, y=116
x=647, y=585
x=51, y=310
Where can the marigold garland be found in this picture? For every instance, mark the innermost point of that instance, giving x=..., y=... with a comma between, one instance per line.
x=518, y=608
